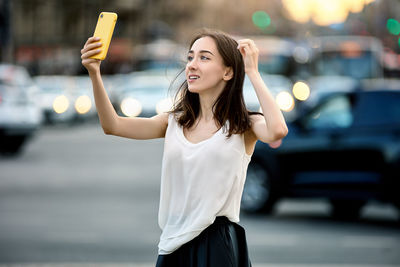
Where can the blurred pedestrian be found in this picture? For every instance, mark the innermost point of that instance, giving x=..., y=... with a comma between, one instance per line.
x=209, y=139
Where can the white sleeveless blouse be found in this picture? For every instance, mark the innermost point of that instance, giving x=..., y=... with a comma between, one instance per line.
x=198, y=182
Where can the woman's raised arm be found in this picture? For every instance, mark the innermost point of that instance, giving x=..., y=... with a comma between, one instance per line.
x=135, y=128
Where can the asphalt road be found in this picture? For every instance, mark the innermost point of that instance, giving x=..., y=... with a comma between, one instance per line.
x=77, y=197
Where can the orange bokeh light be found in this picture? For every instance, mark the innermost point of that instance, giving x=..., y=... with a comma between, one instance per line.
x=323, y=12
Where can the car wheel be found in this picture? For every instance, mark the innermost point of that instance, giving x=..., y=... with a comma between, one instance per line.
x=346, y=209
x=13, y=145
x=257, y=195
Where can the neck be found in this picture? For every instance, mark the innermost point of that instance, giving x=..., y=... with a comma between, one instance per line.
x=207, y=100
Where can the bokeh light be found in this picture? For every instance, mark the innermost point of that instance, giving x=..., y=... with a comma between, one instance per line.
x=393, y=26
x=356, y=6
x=164, y=105
x=83, y=104
x=261, y=19
x=285, y=101
x=301, y=91
x=301, y=55
x=322, y=12
x=60, y=104
x=131, y=107
x=330, y=12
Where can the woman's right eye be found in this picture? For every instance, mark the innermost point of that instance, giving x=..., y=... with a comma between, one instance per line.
x=189, y=58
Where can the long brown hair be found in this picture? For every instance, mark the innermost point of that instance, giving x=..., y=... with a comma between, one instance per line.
x=230, y=105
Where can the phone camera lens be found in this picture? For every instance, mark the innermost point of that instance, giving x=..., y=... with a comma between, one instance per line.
x=101, y=15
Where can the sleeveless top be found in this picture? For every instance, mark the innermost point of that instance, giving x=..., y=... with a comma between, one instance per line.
x=198, y=183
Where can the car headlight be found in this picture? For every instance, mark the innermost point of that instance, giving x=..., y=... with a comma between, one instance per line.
x=60, y=104
x=131, y=107
x=285, y=101
x=301, y=91
x=83, y=104
x=164, y=105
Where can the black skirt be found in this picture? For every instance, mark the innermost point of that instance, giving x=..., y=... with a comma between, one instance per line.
x=222, y=244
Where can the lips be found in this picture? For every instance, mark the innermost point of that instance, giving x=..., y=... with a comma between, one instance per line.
x=193, y=77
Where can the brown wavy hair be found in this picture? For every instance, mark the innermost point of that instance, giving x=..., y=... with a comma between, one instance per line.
x=230, y=105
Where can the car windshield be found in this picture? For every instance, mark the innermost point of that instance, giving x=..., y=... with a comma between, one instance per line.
x=148, y=85
x=15, y=76
x=377, y=108
x=275, y=64
x=334, y=113
x=359, y=66
x=50, y=86
x=11, y=91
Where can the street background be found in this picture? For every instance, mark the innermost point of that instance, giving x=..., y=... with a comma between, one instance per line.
x=78, y=196
x=72, y=196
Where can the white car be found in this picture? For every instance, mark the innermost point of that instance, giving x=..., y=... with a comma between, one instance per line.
x=55, y=99
x=20, y=117
x=280, y=88
x=82, y=97
x=146, y=93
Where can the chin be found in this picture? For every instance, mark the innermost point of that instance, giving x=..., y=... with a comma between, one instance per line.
x=193, y=90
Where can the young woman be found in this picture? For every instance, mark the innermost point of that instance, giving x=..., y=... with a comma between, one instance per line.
x=209, y=139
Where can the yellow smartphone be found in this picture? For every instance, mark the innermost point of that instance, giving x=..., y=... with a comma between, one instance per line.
x=104, y=30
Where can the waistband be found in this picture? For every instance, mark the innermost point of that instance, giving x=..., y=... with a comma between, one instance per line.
x=221, y=220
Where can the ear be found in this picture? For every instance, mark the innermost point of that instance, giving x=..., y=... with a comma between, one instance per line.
x=228, y=74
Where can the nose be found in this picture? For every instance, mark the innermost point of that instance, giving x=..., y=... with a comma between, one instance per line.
x=192, y=64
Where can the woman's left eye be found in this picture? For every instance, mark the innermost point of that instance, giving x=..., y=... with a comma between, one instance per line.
x=204, y=57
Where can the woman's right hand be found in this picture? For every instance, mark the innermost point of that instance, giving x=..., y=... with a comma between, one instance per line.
x=91, y=48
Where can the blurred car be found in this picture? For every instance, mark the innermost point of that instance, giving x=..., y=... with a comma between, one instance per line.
x=320, y=86
x=358, y=57
x=66, y=98
x=341, y=63
x=280, y=88
x=113, y=83
x=145, y=93
x=54, y=98
x=20, y=117
x=159, y=55
x=275, y=55
x=83, y=98
x=346, y=150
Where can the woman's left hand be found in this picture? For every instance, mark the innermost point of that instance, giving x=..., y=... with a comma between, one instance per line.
x=249, y=52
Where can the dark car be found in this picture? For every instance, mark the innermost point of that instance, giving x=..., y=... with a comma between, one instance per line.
x=346, y=149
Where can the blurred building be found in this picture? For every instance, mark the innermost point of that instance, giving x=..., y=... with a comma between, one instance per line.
x=47, y=35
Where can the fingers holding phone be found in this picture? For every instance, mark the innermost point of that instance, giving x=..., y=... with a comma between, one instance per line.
x=96, y=47
x=104, y=30
x=91, y=48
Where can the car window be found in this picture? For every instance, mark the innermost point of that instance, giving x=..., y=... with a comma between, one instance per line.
x=361, y=66
x=16, y=76
x=275, y=64
x=378, y=108
x=335, y=113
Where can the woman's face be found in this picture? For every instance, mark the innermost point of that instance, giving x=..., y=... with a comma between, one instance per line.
x=205, y=69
